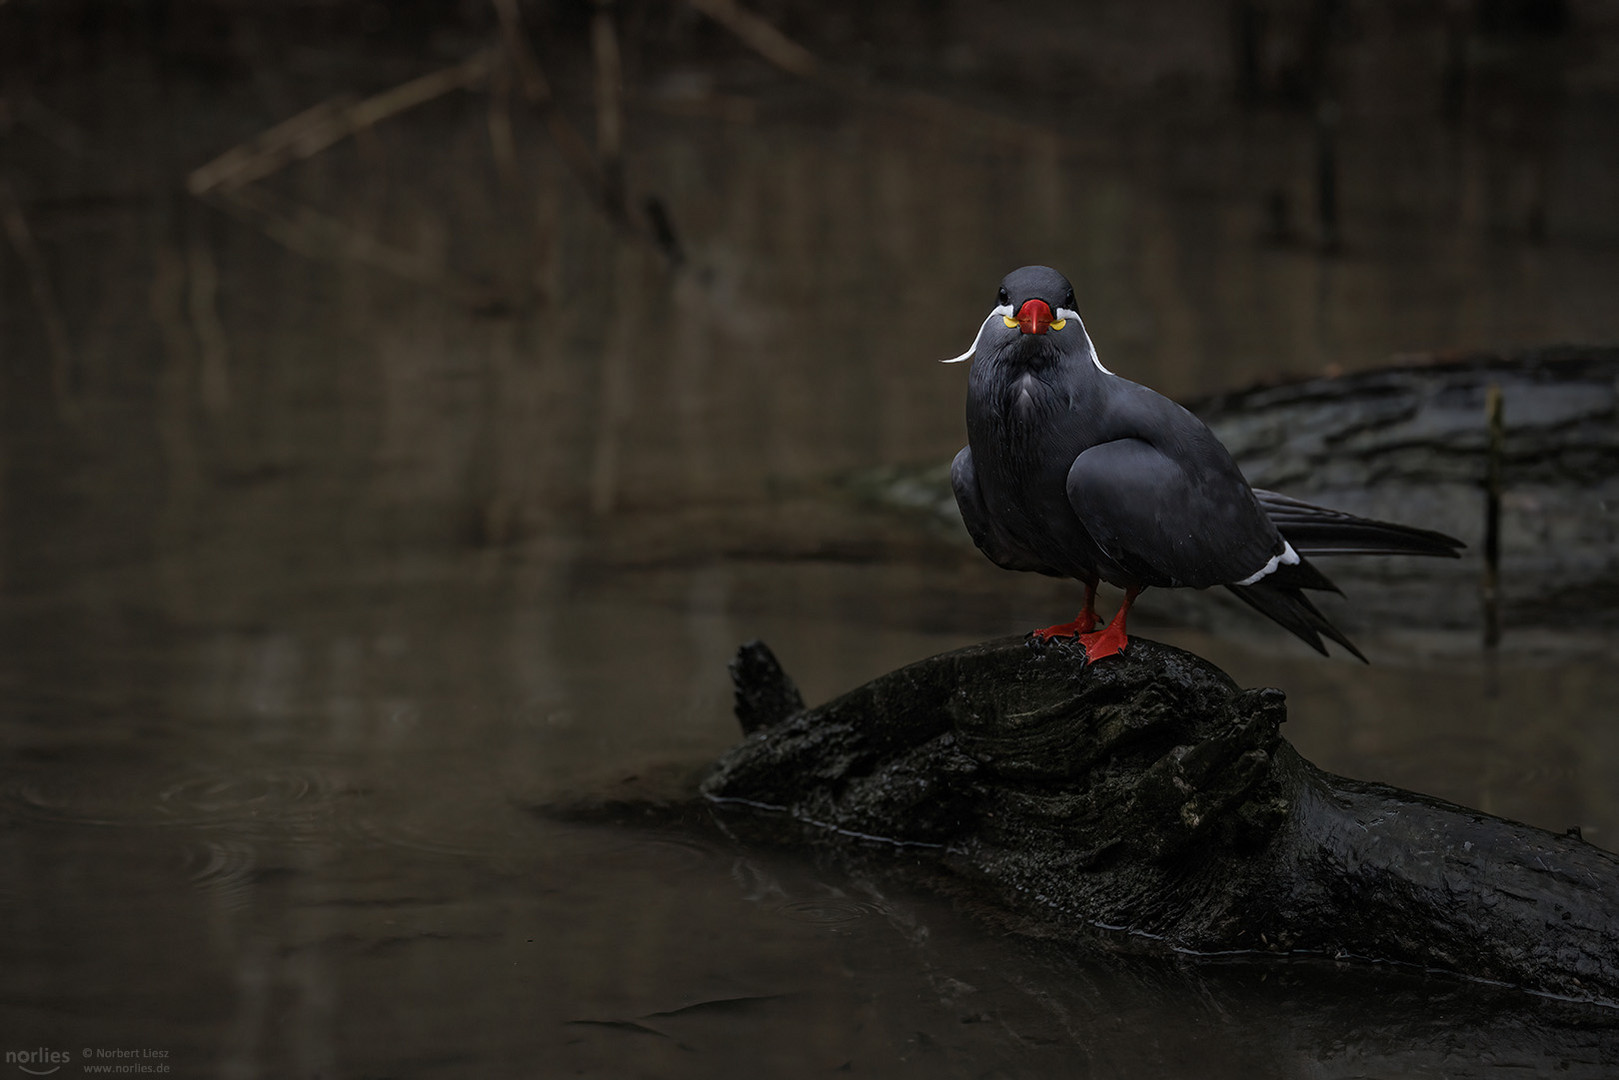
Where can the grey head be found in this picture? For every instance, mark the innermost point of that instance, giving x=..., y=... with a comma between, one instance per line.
x=1035, y=318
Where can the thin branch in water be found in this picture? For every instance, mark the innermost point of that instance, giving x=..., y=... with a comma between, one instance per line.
x=602, y=171
x=537, y=89
x=609, y=106
x=1495, y=424
x=502, y=143
x=213, y=344
x=763, y=38
x=782, y=51
x=313, y=130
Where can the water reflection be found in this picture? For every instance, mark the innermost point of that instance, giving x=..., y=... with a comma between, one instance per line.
x=340, y=527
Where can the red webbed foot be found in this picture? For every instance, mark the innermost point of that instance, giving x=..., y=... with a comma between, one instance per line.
x=1083, y=624
x=1111, y=640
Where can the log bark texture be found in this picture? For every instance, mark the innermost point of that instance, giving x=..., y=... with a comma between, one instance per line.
x=1414, y=443
x=1150, y=794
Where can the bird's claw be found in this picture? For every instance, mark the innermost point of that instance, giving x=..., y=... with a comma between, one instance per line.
x=1102, y=644
x=1083, y=624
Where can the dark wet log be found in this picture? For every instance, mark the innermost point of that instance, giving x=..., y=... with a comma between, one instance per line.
x=1413, y=444
x=1152, y=795
x=1080, y=1011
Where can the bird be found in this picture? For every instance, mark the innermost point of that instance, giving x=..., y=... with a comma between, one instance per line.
x=1072, y=471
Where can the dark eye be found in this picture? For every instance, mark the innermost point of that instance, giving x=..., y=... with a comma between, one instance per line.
x=1004, y=298
x=1069, y=303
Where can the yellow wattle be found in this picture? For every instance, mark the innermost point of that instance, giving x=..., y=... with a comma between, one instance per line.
x=1011, y=323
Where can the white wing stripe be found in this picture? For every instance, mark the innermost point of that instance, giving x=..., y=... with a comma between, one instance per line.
x=1288, y=557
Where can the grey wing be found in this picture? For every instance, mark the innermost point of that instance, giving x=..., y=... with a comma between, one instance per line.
x=1167, y=524
x=975, y=515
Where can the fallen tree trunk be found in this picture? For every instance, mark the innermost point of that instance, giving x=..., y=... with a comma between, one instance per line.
x=1415, y=444
x=1150, y=794
x=1522, y=448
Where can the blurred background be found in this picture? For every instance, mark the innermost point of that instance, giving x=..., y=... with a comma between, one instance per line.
x=407, y=408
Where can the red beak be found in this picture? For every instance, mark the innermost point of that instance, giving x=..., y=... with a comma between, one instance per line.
x=1034, y=317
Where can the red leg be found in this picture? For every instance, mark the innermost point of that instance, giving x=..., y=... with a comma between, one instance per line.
x=1112, y=640
x=1083, y=623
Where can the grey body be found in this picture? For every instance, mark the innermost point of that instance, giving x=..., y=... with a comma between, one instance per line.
x=1072, y=471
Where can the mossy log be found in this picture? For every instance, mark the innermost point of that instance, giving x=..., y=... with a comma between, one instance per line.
x=1150, y=794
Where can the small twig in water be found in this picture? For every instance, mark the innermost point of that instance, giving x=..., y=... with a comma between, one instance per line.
x=315, y=129
x=537, y=89
x=761, y=37
x=609, y=107
x=1494, y=412
x=783, y=52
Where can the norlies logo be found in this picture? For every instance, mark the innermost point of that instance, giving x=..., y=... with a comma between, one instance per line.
x=40, y=1062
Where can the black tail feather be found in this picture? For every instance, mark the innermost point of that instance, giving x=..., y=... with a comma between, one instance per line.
x=1316, y=530
x=1300, y=575
x=1285, y=605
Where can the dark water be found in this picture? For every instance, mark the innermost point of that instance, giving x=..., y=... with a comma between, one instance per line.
x=345, y=522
